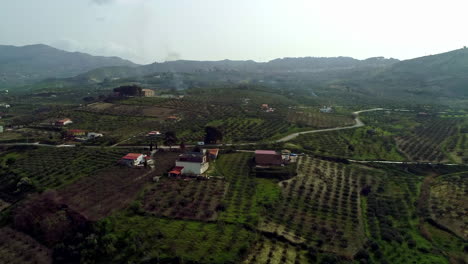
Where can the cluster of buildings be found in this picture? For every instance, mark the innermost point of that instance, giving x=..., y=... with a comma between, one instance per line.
x=194, y=163
x=82, y=135
x=326, y=109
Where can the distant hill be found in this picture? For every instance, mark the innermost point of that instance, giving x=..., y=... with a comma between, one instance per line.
x=285, y=65
x=439, y=75
x=28, y=64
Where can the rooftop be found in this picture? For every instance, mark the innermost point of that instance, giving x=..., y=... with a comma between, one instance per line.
x=132, y=156
x=266, y=152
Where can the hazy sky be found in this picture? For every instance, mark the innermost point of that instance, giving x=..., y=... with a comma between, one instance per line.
x=155, y=30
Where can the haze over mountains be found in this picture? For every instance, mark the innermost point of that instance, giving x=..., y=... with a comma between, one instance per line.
x=28, y=64
x=436, y=75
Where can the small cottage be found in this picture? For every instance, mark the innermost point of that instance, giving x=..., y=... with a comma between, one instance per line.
x=132, y=159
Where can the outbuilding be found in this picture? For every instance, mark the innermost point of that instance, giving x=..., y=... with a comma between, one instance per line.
x=268, y=158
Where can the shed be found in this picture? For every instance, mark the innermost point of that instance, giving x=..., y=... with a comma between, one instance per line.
x=268, y=158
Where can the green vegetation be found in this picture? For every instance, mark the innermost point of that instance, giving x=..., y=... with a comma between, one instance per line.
x=365, y=143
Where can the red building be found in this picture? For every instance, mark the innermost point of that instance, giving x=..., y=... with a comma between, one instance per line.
x=268, y=158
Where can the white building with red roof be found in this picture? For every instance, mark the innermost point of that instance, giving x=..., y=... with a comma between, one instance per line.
x=63, y=122
x=132, y=159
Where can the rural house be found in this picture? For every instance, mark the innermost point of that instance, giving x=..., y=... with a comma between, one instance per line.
x=193, y=162
x=92, y=135
x=147, y=92
x=63, y=122
x=132, y=159
x=76, y=133
x=268, y=158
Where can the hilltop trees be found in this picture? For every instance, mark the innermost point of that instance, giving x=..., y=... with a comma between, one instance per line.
x=128, y=90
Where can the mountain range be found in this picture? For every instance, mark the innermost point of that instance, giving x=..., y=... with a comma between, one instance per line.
x=436, y=75
x=28, y=64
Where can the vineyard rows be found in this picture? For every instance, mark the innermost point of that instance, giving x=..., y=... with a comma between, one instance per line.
x=318, y=120
x=275, y=252
x=426, y=142
x=53, y=167
x=448, y=204
x=190, y=199
x=321, y=207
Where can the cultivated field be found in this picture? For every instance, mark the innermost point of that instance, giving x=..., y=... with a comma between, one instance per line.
x=272, y=251
x=103, y=193
x=128, y=110
x=359, y=143
x=100, y=195
x=448, y=203
x=318, y=120
x=321, y=207
x=185, y=199
x=427, y=142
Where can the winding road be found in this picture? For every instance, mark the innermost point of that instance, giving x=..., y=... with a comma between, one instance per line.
x=358, y=123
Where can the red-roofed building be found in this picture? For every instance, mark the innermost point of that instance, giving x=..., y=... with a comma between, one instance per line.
x=76, y=132
x=213, y=153
x=176, y=171
x=63, y=122
x=132, y=159
x=268, y=158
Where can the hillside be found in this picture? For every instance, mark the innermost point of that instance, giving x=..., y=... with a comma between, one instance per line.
x=28, y=64
x=284, y=65
x=437, y=75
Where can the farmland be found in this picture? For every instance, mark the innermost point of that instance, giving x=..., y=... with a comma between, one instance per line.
x=426, y=142
x=321, y=207
x=42, y=168
x=448, y=202
x=189, y=199
x=360, y=143
x=326, y=208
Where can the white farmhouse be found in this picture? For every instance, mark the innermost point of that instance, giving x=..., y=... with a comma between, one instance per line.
x=132, y=159
x=193, y=163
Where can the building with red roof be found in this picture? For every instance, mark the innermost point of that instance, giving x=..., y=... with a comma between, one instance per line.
x=76, y=132
x=268, y=158
x=132, y=159
x=176, y=171
x=63, y=122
